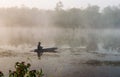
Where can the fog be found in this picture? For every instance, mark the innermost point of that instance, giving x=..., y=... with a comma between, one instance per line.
x=86, y=38
x=73, y=27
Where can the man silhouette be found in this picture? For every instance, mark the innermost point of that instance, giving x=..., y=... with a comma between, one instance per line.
x=39, y=50
x=39, y=47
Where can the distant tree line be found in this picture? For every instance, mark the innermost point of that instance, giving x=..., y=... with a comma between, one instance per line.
x=90, y=17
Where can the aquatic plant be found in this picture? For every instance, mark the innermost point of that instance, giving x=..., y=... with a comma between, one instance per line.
x=23, y=70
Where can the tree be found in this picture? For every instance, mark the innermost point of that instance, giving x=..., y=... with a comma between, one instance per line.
x=111, y=17
x=59, y=6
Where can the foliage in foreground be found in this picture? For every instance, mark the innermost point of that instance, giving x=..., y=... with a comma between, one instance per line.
x=23, y=70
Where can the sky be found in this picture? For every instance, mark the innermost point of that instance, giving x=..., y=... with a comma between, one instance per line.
x=50, y=4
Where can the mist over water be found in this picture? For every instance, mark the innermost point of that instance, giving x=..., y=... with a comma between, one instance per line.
x=88, y=40
x=19, y=35
x=73, y=28
x=58, y=37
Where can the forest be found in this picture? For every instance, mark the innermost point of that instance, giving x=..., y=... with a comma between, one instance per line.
x=90, y=17
x=73, y=27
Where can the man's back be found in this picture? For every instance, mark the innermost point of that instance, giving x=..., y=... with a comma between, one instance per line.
x=39, y=47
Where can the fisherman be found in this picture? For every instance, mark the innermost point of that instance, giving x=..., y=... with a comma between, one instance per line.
x=39, y=50
x=39, y=47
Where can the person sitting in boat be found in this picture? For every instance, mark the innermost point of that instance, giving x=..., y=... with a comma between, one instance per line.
x=39, y=50
x=39, y=47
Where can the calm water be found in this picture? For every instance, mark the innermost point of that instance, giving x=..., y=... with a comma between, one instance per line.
x=65, y=63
